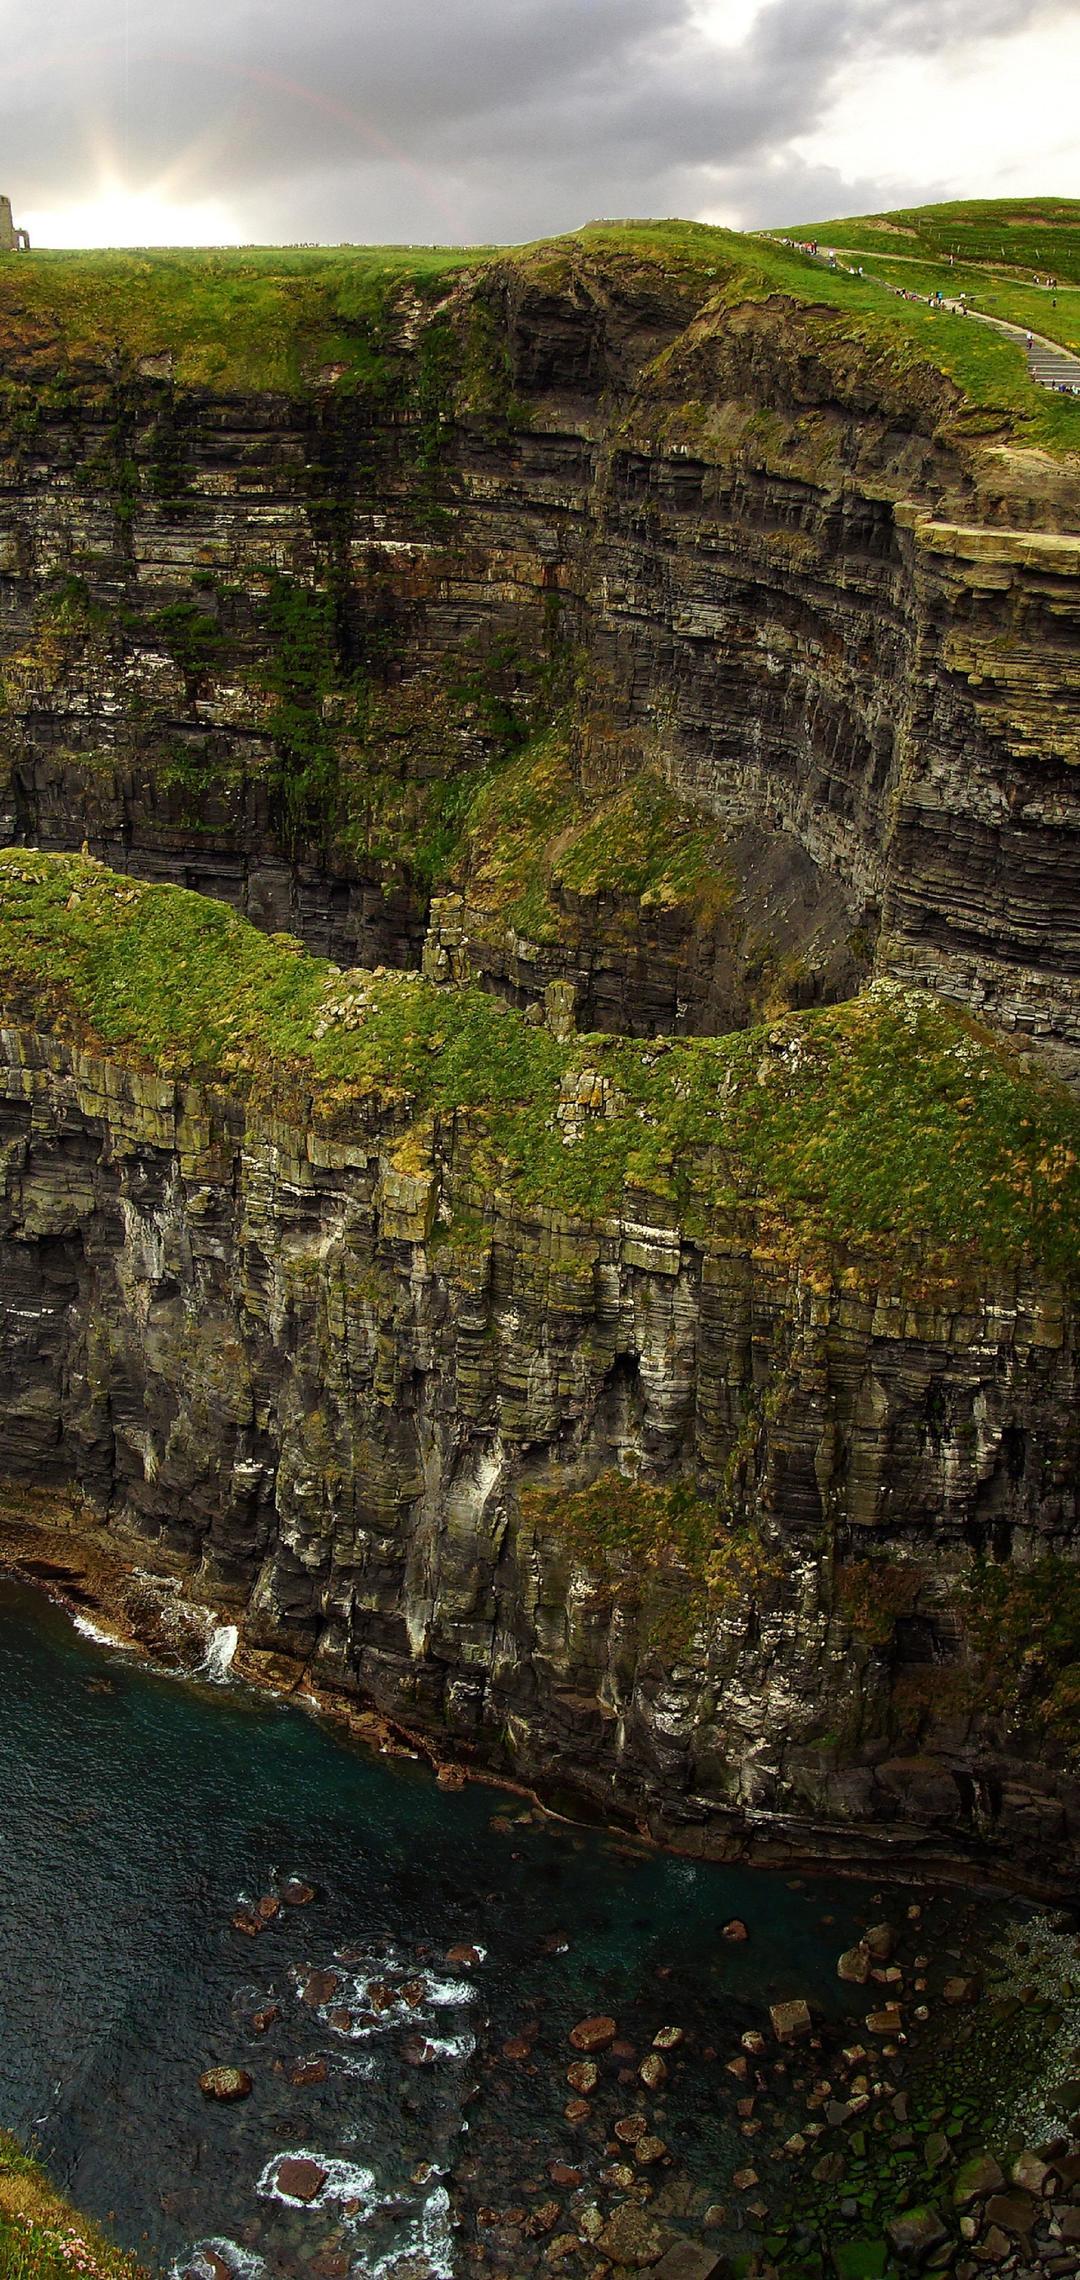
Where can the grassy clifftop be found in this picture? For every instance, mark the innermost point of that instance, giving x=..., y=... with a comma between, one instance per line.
x=269, y=318
x=292, y=319
x=888, y=1136
x=1024, y=235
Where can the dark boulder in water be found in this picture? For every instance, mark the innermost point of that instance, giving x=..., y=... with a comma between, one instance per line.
x=300, y=2178
x=297, y=1894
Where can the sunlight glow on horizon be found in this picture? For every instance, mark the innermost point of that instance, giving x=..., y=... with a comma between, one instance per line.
x=118, y=215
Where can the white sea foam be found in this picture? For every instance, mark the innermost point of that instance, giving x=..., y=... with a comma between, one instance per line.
x=241, y=2261
x=427, y=2246
x=449, y=2046
x=362, y=2069
x=219, y=1654
x=344, y=2181
x=435, y=2225
x=446, y=1991
x=94, y=1632
x=386, y=1969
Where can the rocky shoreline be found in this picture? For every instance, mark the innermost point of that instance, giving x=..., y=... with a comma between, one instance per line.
x=65, y=1551
x=878, y=2128
x=861, y=2150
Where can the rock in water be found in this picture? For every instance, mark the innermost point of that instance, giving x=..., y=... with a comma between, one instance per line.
x=297, y=1894
x=854, y=1966
x=916, y=2235
x=632, y=2238
x=226, y=2083
x=689, y=2260
x=593, y=2034
x=791, y=2021
x=300, y=2178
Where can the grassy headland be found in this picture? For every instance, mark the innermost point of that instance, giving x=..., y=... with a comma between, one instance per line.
x=225, y=318
x=293, y=319
x=888, y=1137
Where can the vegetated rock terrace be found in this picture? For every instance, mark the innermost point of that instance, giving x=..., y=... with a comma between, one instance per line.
x=568, y=1397
x=641, y=616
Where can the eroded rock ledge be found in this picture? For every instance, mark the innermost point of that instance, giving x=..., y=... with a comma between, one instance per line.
x=743, y=1494
x=271, y=643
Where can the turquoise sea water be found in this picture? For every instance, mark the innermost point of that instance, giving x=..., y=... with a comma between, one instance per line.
x=137, y=1811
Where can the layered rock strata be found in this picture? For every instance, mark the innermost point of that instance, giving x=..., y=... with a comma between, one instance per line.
x=787, y=573
x=671, y=1505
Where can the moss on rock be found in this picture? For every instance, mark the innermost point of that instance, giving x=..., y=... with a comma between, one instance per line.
x=886, y=1135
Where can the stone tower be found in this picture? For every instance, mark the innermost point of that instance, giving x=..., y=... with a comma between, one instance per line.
x=11, y=239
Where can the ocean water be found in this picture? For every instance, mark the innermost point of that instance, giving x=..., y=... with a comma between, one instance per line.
x=139, y=1812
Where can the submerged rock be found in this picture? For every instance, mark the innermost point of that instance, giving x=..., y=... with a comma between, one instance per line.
x=976, y=2179
x=296, y=1894
x=632, y=2238
x=321, y=1987
x=854, y=1965
x=916, y=2234
x=226, y=2084
x=791, y=2021
x=690, y=2260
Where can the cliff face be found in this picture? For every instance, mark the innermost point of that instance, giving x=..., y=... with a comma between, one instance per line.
x=761, y=1539
x=714, y=541
x=700, y=1419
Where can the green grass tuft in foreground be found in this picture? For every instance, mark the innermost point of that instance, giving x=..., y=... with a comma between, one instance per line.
x=41, y=2236
x=888, y=1137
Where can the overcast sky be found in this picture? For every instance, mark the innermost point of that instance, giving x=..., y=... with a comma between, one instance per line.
x=480, y=120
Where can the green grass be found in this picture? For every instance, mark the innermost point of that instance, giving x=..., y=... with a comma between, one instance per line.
x=895, y=338
x=991, y=251
x=1014, y=300
x=533, y=837
x=989, y=370
x=888, y=1136
x=286, y=319
x=1033, y=234
x=41, y=2236
x=263, y=317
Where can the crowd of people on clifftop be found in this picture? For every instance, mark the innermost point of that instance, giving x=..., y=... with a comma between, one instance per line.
x=934, y=300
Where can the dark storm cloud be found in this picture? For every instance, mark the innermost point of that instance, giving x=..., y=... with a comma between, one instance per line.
x=428, y=118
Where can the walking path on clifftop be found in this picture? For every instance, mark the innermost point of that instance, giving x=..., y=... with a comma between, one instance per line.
x=1049, y=363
